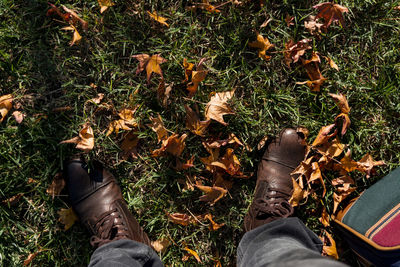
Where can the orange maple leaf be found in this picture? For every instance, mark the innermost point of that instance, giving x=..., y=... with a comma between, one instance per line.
x=158, y=18
x=5, y=105
x=150, y=63
x=263, y=46
x=331, y=12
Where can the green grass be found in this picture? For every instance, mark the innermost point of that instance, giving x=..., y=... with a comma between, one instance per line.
x=43, y=72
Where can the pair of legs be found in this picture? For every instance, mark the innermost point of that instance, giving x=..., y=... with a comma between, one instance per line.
x=272, y=238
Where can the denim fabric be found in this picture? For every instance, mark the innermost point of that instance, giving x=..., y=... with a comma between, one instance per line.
x=284, y=242
x=124, y=253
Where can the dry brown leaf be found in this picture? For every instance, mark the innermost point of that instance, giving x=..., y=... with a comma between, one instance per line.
x=85, y=140
x=188, y=67
x=97, y=99
x=330, y=250
x=19, y=116
x=230, y=163
x=212, y=194
x=344, y=180
x=12, y=200
x=157, y=126
x=325, y=133
x=151, y=64
x=347, y=164
x=205, y=5
x=332, y=63
x=126, y=122
x=213, y=225
x=184, y=166
x=289, y=20
x=342, y=103
x=189, y=254
x=56, y=186
x=367, y=163
x=313, y=72
x=214, y=155
x=67, y=217
x=293, y=51
x=163, y=92
x=297, y=194
x=158, y=18
x=194, y=124
x=181, y=218
x=263, y=46
x=173, y=145
x=317, y=175
x=312, y=25
x=218, y=106
x=76, y=37
x=330, y=12
x=345, y=119
x=105, y=4
x=340, y=195
x=324, y=219
x=262, y=142
x=161, y=245
x=197, y=78
x=129, y=145
x=30, y=257
x=75, y=18
x=5, y=105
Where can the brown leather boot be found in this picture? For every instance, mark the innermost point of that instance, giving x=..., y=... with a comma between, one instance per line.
x=97, y=200
x=274, y=184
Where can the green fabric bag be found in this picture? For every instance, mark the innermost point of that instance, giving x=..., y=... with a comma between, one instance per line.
x=371, y=222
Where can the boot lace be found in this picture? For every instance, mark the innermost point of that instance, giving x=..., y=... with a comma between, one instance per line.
x=273, y=203
x=109, y=227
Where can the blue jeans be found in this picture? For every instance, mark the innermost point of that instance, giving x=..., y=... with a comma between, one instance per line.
x=284, y=242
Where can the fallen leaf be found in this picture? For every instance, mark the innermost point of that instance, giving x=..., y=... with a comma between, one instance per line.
x=212, y=194
x=367, y=163
x=332, y=63
x=163, y=92
x=161, y=245
x=344, y=180
x=19, y=117
x=189, y=254
x=5, y=105
x=12, y=200
x=67, y=217
x=214, y=155
x=313, y=72
x=151, y=64
x=331, y=12
x=105, y=4
x=345, y=119
x=184, y=166
x=218, y=106
x=129, y=145
x=340, y=194
x=75, y=18
x=325, y=133
x=317, y=175
x=289, y=20
x=229, y=162
x=173, y=145
x=312, y=25
x=97, y=99
x=30, y=257
x=293, y=51
x=76, y=37
x=262, y=142
x=297, y=194
x=188, y=67
x=197, y=78
x=347, y=163
x=330, y=149
x=213, y=225
x=303, y=132
x=85, y=140
x=330, y=250
x=181, y=218
x=157, y=126
x=158, y=18
x=263, y=46
x=67, y=17
x=205, y=6
x=56, y=186
x=194, y=124
x=126, y=121
x=342, y=103
x=324, y=219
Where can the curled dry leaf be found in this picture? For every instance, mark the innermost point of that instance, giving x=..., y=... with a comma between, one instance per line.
x=188, y=67
x=213, y=225
x=163, y=93
x=347, y=164
x=180, y=218
x=331, y=12
x=313, y=72
x=85, y=140
x=161, y=245
x=158, y=18
x=214, y=155
x=5, y=105
x=262, y=142
x=189, y=254
x=56, y=186
x=232, y=139
x=230, y=163
x=316, y=175
x=151, y=64
x=19, y=116
x=76, y=18
x=367, y=164
x=332, y=63
x=76, y=37
x=197, y=77
x=212, y=194
x=194, y=124
x=344, y=180
x=157, y=126
x=293, y=51
x=67, y=217
x=324, y=219
x=129, y=145
x=31, y=257
x=342, y=103
x=345, y=120
x=325, y=133
x=218, y=106
x=263, y=46
x=173, y=145
x=297, y=195
x=340, y=194
x=312, y=25
x=105, y=4
x=329, y=250
x=126, y=121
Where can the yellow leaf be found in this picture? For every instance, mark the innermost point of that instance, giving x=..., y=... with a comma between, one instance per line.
x=126, y=121
x=330, y=250
x=188, y=67
x=173, y=145
x=161, y=245
x=191, y=253
x=324, y=219
x=297, y=194
x=151, y=64
x=197, y=77
x=218, y=106
x=332, y=63
x=229, y=162
x=104, y=4
x=76, y=37
x=213, y=225
x=263, y=46
x=158, y=18
x=67, y=217
x=85, y=140
x=213, y=194
x=5, y=105
x=157, y=126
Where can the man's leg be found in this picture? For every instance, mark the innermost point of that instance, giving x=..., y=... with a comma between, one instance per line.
x=283, y=242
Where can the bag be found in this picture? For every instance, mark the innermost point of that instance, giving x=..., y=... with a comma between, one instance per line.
x=371, y=223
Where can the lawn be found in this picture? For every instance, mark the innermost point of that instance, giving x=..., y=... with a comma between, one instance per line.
x=52, y=82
